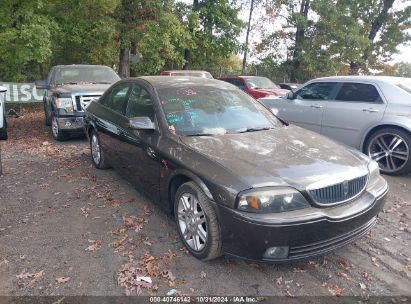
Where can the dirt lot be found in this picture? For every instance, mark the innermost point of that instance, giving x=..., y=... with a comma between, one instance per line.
x=69, y=229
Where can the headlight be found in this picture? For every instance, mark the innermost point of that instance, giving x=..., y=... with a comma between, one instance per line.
x=374, y=171
x=271, y=200
x=64, y=103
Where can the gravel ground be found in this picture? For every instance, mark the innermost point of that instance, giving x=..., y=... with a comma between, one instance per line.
x=69, y=229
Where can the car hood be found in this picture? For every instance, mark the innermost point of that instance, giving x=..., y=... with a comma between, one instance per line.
x=289, y=156
x=276, y=92
x=82, y=88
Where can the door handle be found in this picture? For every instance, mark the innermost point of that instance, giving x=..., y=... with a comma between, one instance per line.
x=371, y=110
x=317, y=106
x=151, y=152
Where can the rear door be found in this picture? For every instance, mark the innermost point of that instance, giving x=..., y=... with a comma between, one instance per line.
x=307, y=107
x=356, y=107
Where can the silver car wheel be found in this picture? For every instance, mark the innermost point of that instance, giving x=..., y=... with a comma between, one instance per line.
x=95, y=149
x=192, y=222
x=390, y=151
x=55, y=127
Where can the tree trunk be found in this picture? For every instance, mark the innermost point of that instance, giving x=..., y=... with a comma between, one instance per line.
x=246, y=37
x=375, y=28
x=187, y=52
x=124, y=66
x=299, y=41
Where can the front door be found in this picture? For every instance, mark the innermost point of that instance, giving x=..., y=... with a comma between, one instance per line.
x=140, y=158
x=307, y=107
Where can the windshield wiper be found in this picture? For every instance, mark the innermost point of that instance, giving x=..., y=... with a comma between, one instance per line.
x=254, y=129
x=102, y=82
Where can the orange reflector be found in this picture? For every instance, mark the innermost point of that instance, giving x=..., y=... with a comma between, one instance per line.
x=253, y=202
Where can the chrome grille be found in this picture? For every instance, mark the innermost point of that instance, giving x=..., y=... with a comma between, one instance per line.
x=83, y=101
x=339, y=193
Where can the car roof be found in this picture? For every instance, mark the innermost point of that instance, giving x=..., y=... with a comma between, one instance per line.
x=184, y=71
x=391, y=79
x=160, y=82
x=80, y=65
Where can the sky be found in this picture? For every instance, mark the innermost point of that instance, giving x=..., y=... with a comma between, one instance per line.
x=404, y=54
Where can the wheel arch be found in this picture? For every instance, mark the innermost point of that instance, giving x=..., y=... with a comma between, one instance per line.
x=181, y=177
x=379, y=127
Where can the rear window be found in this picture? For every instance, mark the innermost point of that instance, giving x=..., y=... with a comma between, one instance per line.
x=405, y=86
x=359, y=92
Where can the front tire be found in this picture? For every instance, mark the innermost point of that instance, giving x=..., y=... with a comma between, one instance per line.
x=47, y=117
x=390, y=147
x=3, y=131
x=57, y=133
x=197, y=222
x=97, y=153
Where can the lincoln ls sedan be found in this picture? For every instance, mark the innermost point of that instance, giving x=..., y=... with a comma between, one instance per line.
x=238, y=180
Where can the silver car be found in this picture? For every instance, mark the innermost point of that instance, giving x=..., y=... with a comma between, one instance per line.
x=370, y=113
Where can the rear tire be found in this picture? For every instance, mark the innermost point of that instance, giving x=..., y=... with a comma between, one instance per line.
x=197, y=222
x=97, y=153
x=391, y=148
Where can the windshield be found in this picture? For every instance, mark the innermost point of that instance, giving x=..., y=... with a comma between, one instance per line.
x=261, y=83
x=193, y=74
x=207, y=110
x=85, y=74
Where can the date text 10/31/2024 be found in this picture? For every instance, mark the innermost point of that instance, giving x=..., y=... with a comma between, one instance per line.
x=203, y=299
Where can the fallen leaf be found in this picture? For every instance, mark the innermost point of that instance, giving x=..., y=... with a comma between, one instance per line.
x=343, y=263
x=343, y=275
x=290, y=295
x=363, y=286
x=37, y=277
x=203, y=275
x=96, y=245
x=298, y=270
x=4, y=262
x=366, y=276
x=335, y=290
x=25, y=275
x=62, y=280
x=279, y=280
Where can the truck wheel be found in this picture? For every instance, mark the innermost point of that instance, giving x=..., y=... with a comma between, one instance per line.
x=46, y=116
x=58, y=134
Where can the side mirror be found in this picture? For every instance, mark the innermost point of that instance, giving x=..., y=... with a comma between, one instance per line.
x=41, y=85
x=291, y=95
x=141, y=123
x=3, y=89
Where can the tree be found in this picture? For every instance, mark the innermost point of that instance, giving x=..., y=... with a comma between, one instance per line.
x=25, y=39
x=403, y=69
x=250, y=15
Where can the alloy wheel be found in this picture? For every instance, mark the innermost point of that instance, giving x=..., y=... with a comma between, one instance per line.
x=95, y=149
x=391, y=152
x=55, y=127
x=192, y=222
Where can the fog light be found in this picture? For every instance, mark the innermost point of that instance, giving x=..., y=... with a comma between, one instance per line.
x=276, y=252
x=68, y=123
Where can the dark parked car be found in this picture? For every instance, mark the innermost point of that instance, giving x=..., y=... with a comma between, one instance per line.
x=238, y=180
x=68, y=90
x=256, y=86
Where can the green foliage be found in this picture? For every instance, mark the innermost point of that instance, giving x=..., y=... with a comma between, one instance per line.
x=403, y=69
x=25, y=38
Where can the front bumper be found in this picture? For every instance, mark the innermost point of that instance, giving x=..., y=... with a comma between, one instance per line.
x=72, y=123
x=306, y=232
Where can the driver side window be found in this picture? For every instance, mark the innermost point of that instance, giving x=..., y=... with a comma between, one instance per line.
x=316, y=91
x=139, y=103
x=117, y=98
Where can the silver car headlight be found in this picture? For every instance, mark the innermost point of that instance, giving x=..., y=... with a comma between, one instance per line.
x=374, y=173
x=271, y=200
x=64, y=103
